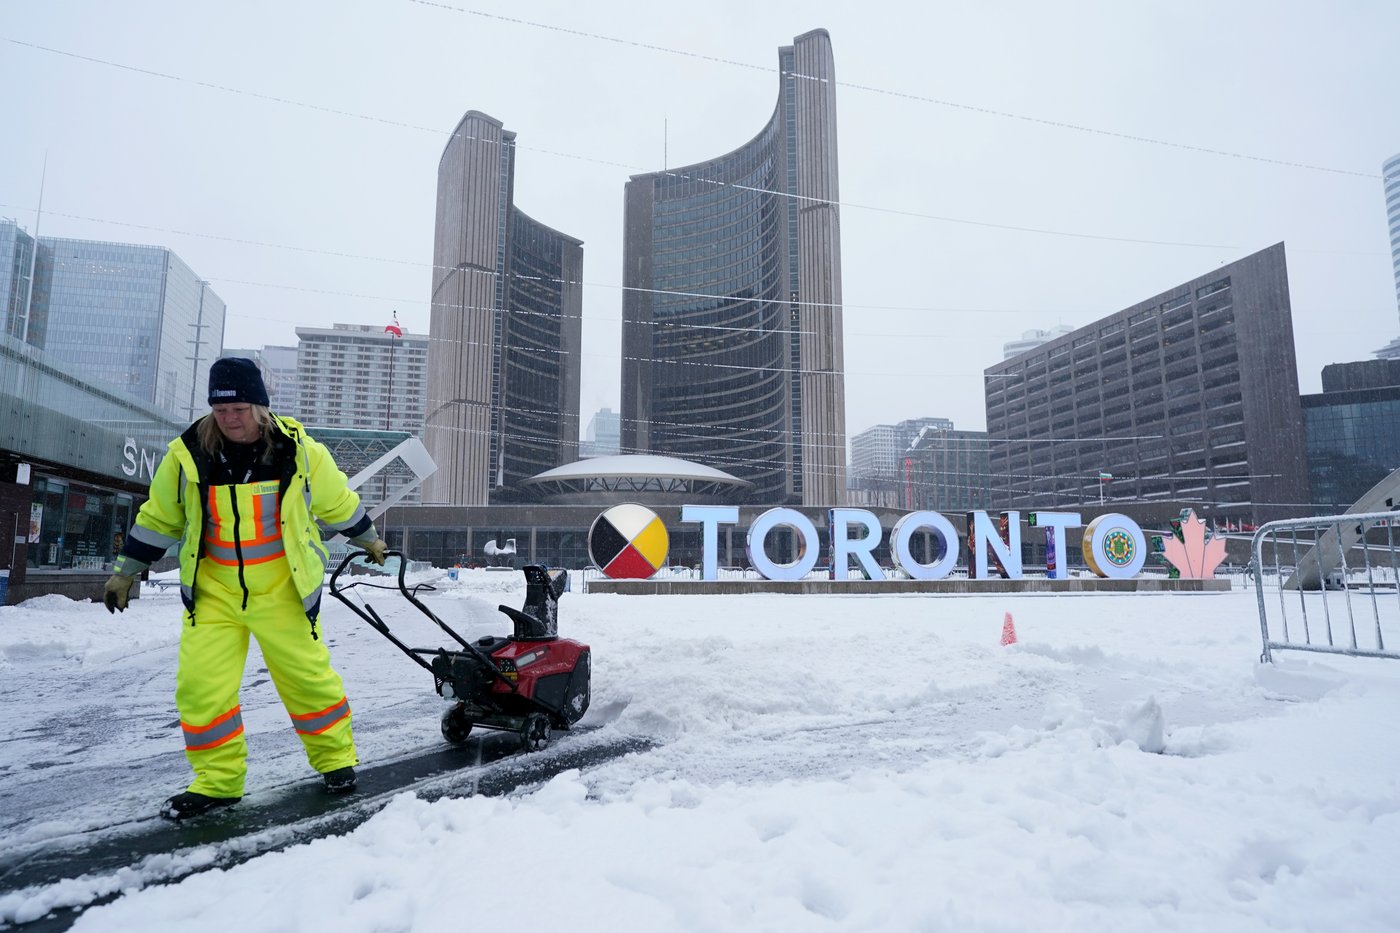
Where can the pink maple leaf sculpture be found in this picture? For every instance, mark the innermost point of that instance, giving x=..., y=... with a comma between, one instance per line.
x=1194, y=556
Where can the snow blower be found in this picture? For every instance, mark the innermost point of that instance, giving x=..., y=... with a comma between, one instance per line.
x=529, y=682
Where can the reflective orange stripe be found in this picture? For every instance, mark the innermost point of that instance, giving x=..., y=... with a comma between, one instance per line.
x=320, y=721
x=226, y=727
x=266, y=543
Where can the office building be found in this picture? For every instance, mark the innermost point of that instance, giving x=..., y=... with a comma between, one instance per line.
x=1191, y=395
x=16, y=266
x=506, y=328
x=603, y=435
x=947, y=471
x=1390, y=179
x=130, y=317
x=874, y=456
x=361, y=376
x=1353, y=432
x=732, y=341
x=1031, y=339
x=877, y=454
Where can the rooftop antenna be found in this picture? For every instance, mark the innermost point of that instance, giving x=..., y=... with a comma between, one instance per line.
x=665, y=140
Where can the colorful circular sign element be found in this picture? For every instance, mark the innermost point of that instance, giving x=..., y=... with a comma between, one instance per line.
x=1114, y=546
x=1119, y=548
x=628, y=542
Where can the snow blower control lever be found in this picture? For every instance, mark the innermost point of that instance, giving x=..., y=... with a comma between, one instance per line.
x=525, y=683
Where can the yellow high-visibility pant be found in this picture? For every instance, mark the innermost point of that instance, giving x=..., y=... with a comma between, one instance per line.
x=213, y=653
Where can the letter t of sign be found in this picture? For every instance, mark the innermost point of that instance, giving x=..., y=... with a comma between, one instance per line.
x=710, y=517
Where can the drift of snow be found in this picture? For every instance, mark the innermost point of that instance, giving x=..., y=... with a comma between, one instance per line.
x=821, y=763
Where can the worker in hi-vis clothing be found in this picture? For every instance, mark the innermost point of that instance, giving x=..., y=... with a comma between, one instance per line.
x=240, y=492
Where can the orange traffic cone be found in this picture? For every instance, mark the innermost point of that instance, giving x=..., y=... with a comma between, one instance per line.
x=1008, y=631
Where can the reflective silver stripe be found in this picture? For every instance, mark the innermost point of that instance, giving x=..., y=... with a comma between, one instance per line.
x=129, y=566
x=310, y=601
x=320, y=722
x=265, y=504
x=217, y=733
x=252, y=553
x=349, y=522
x=153, y=538
x=305, y=472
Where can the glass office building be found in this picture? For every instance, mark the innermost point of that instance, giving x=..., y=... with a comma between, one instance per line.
x=133, y=318
x=505, y=327
x=732, y=341
x=1353, y=431
x=16, y=265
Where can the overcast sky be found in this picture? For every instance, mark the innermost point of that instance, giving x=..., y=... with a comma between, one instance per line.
x=1003, y=166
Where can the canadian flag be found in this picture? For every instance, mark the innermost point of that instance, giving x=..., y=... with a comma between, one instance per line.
x=394, y=327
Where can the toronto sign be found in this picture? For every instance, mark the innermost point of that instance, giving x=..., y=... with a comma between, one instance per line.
x=630, y=541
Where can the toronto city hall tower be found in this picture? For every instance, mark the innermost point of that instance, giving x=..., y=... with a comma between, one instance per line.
x=731, y=342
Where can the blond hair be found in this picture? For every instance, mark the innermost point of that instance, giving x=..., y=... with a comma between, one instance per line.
x=211, y=439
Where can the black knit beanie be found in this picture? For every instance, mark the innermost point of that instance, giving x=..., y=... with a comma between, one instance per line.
x=235, y=379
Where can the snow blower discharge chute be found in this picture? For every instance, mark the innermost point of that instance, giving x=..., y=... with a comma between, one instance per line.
x=529, y=682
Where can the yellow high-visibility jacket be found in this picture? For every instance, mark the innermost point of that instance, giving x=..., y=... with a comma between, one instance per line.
x=311, y=487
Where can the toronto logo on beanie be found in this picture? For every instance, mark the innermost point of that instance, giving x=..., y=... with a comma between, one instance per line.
x=236, y=379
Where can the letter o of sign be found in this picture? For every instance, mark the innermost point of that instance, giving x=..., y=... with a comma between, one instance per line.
x=903, y=533
x=758, y=539
x=1114, y=546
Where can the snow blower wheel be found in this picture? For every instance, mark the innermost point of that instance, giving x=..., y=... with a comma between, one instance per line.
x=534, y=734
x=456, y=726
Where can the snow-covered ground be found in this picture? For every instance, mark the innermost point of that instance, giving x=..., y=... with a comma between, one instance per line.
x=821, y=763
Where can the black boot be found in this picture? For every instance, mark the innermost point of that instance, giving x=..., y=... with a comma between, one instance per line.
x=339, y=781
x=183, y=806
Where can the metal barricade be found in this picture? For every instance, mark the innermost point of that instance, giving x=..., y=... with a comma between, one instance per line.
x=1337, y=565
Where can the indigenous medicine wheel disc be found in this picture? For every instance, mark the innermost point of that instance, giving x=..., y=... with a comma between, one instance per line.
x=628, y=542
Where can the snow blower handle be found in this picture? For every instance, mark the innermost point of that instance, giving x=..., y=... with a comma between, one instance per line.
x=345, y=562
x=365, y=611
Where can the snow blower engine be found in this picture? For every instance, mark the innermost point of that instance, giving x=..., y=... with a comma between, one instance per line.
x=529, y=683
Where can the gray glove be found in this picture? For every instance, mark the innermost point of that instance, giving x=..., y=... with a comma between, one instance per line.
x=375, y=550
x=117, y=592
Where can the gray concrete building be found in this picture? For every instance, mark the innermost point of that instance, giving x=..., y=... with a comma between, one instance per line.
x=1191, y=395
x=505, y=326
x=732, y=341
x=361, y=376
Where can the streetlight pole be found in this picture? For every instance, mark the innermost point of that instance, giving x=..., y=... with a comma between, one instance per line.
x=394, y=332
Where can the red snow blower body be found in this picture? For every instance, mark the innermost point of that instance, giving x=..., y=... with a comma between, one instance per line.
x=529, y=682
